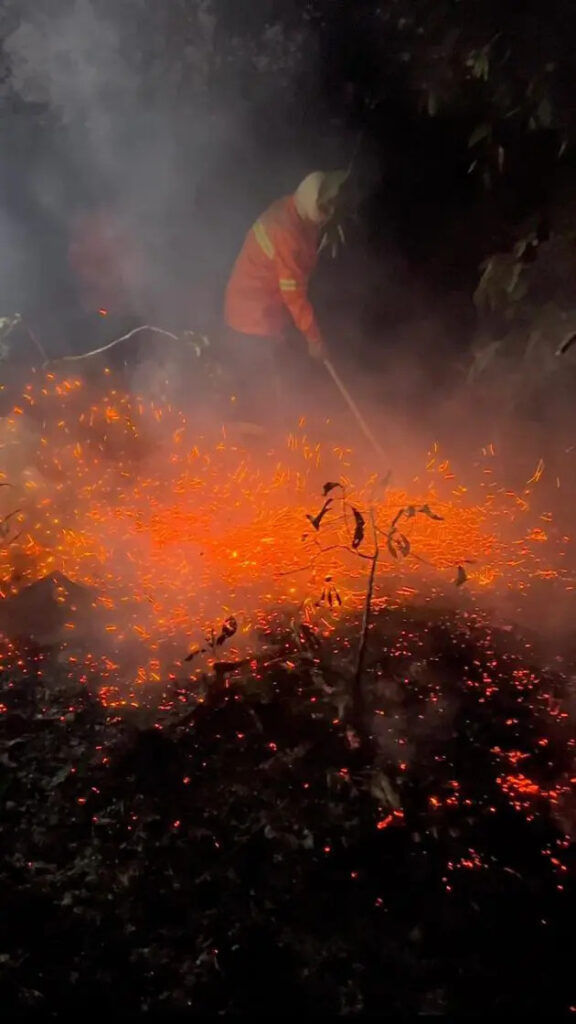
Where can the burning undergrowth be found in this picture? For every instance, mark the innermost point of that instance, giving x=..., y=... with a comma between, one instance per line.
x=170, y=533
x=192, y=818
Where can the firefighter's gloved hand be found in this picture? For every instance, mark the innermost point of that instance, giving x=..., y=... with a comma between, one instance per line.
x=316, y=348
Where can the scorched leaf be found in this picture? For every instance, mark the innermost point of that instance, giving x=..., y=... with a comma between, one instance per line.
x=461, y=576
x=194, y=654
x=566, y=344
x=403, y=545
x=316, y=520
x=431, y=515
x=329, y=486
x=359, y=529
x=228, y=630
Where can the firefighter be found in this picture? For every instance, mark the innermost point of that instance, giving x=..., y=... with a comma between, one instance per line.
x=267, y=294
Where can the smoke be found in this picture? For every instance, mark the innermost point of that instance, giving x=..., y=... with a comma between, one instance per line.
x=168, y=145
x=151, y=115
x=78, y=65
x=72, y=63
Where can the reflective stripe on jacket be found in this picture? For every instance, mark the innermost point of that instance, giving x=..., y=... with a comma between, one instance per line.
x=268, y=288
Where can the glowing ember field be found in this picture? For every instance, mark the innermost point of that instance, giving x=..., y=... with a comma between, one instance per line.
x=449, y=840
x=174, y=532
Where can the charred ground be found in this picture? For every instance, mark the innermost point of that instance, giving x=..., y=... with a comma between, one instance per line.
x=228, y=847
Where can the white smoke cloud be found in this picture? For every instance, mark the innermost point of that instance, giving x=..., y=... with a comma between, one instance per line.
x=72, y=62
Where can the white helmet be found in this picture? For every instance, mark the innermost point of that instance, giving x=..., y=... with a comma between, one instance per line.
x=316, y=196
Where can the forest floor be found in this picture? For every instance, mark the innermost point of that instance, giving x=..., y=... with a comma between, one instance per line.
x=227, y=846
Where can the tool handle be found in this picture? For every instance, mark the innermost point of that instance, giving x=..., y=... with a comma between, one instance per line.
x=354, y=409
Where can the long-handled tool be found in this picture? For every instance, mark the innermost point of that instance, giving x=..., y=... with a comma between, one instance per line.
x=355, y=410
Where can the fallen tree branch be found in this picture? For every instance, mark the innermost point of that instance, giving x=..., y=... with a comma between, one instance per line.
x=18, y=321
x=117, y=341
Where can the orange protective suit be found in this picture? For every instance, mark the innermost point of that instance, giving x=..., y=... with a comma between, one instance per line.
x=268, y=288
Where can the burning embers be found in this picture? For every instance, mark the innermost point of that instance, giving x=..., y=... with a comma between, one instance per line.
x=170, y=534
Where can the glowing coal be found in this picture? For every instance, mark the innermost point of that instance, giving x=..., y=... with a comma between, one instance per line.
x=172, y=532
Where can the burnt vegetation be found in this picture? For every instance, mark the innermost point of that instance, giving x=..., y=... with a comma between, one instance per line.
x=335, y=820
x=230, y=839
x=377, y=825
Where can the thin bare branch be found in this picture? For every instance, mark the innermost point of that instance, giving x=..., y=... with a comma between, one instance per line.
x=357, y=687
x=117, y=341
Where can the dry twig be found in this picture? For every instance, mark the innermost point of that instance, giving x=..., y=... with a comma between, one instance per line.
x=117, y=341
x=357, y=688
